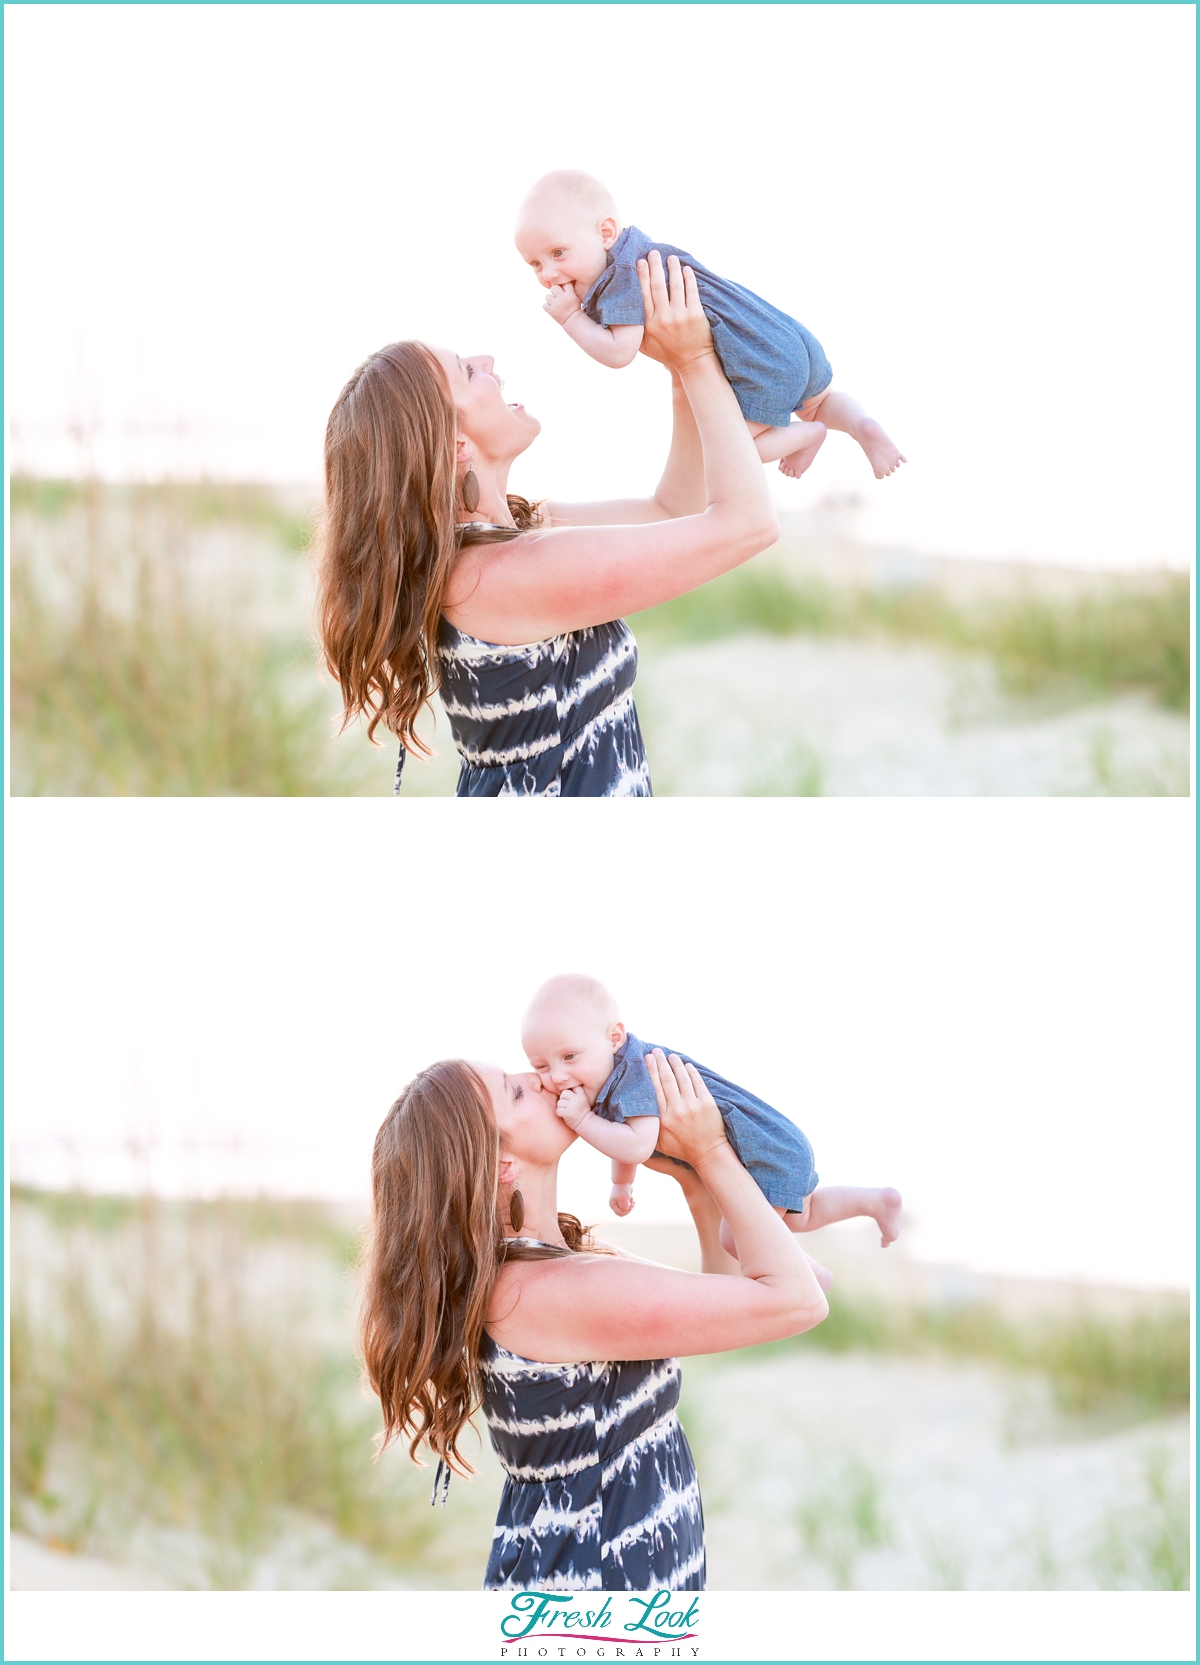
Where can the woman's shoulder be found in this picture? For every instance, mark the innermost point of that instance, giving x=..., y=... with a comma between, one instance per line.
x=535, y=1308
x=472, y=610
x=527, y=1285
x=471, y=623
x=520, y=1281
x=483, y=576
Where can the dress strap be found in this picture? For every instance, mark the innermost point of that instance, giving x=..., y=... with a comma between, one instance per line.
x=530, y=1248
x=437, y=1479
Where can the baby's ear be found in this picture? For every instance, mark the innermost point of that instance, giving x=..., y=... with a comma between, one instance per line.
x=609, y=231
x=616, y=1034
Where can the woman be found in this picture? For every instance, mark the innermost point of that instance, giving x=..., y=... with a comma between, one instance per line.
x=478, y=1292
x=433, y=578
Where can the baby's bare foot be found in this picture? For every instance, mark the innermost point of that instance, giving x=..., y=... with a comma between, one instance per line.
x=888, y=1216
x=796, y=462
x=822, y=1273
x=883, y=454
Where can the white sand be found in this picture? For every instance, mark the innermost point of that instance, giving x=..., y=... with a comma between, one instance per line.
x=35, y=1566
x=781, y=716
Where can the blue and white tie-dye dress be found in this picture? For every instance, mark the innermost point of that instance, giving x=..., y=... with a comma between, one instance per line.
x=550, y=719
x=601, y=1491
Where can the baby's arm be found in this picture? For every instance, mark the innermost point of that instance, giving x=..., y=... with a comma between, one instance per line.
x=632, y=1141
x=615, y=346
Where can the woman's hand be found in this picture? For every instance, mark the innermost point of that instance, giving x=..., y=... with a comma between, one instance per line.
x=687, y=1179
x=691, y=1125
x=677, y=331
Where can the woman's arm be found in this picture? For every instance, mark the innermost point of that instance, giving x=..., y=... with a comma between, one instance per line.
x=584, y=1308
x=679, y=492
x=567, y=578
x=706, y=1216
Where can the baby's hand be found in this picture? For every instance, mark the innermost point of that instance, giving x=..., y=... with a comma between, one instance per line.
x=620, y=1199
x=573, y=1106
x=561, y=302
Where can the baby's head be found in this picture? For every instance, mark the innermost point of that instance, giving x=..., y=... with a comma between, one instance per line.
x=570, y=1033
x=565, y=227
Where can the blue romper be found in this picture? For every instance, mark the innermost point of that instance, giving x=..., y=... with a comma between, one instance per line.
x=766, y=1143
x=773, y=364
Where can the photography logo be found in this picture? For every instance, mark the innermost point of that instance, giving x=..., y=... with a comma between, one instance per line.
x=538, y=1625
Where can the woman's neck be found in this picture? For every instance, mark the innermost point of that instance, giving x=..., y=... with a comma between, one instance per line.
x=539, y=1193
x=493, y=492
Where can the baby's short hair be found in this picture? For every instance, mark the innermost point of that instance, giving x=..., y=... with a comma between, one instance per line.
x=584, y=991
x=583, y=189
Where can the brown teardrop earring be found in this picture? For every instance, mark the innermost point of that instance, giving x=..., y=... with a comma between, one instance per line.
x=470, y=491
x=516, y=1209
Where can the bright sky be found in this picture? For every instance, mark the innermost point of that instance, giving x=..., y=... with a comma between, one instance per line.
x=985, y=213
x=986, y=1003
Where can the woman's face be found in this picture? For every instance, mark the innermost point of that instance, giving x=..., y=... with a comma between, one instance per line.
x=530, y=1127
x=497, y=430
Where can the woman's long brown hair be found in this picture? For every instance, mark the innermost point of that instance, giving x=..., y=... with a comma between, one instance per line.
x=435, y=1245
x=390, y=536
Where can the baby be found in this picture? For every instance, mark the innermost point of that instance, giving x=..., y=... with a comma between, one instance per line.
x=576, y=1042
x=569, y=232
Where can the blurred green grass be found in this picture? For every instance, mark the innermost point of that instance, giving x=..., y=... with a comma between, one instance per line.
x=1146, y=1544
x=160, y=645
x=1107, y=642
x=297, y=1220
x=164, y=1376
x=842, y=1516
x=186, y=1367
x=202, y=503
x=1132, y=1365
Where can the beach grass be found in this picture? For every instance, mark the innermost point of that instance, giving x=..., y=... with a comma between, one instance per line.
x=183, y=1372
x=1146, y=1544
x=160, y=646
x=842, y=1515
x=166, y=1378
x=196, y=503
x=1097, y=1363
x=1111, y=641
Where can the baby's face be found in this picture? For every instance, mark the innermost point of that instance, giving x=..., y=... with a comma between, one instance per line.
x=562, y=245
x=568, y=1046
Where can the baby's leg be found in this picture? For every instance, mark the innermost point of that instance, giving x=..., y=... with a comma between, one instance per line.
x=822, y=1273
x=840, y=411
x=620, y=1198
x=793, y=447
x=830, y=1203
